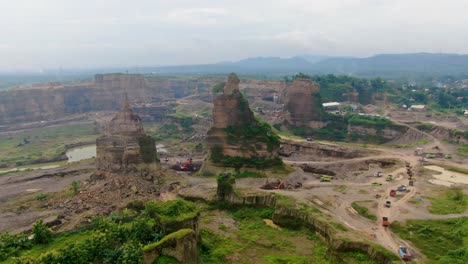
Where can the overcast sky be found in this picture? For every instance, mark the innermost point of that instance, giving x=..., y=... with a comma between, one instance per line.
x=39, y=34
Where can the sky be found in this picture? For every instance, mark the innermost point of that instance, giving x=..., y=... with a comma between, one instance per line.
x=52, y=34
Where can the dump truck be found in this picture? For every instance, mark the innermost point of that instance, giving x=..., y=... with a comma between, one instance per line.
x=385, y=221
x=404, y=253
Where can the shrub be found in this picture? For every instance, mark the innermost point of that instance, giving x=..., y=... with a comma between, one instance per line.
x=42, y=234
x=41, y=196
x=75, y=185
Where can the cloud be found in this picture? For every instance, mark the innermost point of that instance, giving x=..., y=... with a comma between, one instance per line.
x=195, y=16
x=93, y=33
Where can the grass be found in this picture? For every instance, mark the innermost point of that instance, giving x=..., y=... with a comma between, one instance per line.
x=172, y=211
x=453, y=201
x=442, y=241
x=255, y=242
x=57, y=243
x=41, y=144
x=364, y=211
x=456, y=169
x=340, y=188
x=463, y=150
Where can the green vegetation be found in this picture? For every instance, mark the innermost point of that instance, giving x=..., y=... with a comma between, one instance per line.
x=225, y=185
x=171, y=211
x=442, y=241
x=218, y=88
x=41, y=145
x=453, y=201
x=249, y=174
x=75, y=185
x=175, y=235
x=455, y=169
x=238, y=162
x=147, y=149
x=463, y=150
x=364, y=211
x=251, y=133
x=107, y=240
x=41, y=233
x=41, y=197
x=253, y=241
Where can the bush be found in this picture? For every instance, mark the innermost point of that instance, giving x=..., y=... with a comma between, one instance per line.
x=136, y=206
x=41, y=196
x=42, y=234
x=75, y=185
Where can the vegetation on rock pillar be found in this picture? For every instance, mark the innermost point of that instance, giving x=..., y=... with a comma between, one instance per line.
x=226, y=183
x=147, y=149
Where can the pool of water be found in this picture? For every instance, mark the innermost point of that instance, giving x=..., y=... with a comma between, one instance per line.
x=81, y=153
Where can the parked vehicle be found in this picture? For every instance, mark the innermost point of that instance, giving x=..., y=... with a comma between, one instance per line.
x=402, y=188
x=388, y=204
x=385, y=221
x=378, y=174
x=392, y=193
x=309, y=139
x=404, y=253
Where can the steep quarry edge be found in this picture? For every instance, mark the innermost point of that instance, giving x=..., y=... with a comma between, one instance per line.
x=289, y=213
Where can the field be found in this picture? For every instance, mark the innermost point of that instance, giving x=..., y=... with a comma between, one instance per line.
x=42, y=144
x=254, y=239
x=452, y=201
x=441, y=241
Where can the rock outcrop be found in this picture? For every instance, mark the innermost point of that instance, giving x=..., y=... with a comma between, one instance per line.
x=303, y=103
x=125, y=147
x=236, y=132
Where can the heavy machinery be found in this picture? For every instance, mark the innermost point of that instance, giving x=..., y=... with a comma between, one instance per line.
x=187, y=166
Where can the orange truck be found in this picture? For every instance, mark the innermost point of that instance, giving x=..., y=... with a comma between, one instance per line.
x=385, y=221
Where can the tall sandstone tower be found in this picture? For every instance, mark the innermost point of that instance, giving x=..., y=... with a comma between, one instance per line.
x=125, y=147
x=303, y=103
x=236, y=132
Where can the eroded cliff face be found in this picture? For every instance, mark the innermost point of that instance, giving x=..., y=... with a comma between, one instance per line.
x=125, y=147
x=303, y=103
x=235, y=130
x=53, y=100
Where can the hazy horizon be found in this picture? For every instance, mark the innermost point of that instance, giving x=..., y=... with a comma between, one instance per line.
x=52, y=34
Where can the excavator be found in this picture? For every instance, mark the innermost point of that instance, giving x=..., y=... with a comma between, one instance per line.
x=187, y=166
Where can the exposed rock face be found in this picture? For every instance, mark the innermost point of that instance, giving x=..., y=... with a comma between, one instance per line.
x=303, y=103
x=125, y=146
x=52, y=101
x=235, y=130
x=322, y=151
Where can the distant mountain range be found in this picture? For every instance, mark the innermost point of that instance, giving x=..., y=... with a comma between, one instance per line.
x=385, y=65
